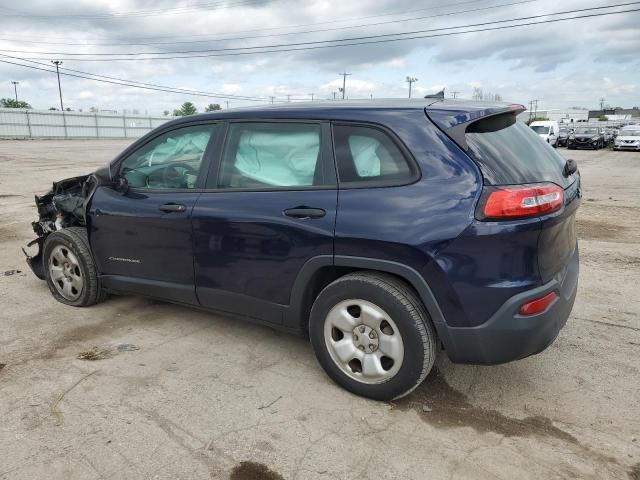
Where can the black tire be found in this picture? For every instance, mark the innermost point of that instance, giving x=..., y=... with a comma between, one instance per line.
x=75, y=240
x=406, y=310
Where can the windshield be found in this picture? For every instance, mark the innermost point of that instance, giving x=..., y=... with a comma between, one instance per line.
x=510, y=153
x=540, y=129
x=587, y=131
x=630, y=133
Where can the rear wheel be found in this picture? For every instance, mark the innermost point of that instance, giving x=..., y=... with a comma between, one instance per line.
x=70, y=272
x=372, y=335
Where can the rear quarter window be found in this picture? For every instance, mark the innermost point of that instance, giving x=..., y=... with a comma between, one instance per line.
x=367, y=156
x=508, y=152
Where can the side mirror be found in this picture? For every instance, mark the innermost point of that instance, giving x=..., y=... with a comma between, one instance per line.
x=570, y=167
x=120, y=185
x=103, y=175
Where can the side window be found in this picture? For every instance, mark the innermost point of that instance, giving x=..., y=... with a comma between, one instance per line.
x=172, y=160
x=367, y=154
x=271, y=155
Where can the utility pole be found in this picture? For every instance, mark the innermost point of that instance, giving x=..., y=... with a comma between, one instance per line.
x=227, y=102
x=530, y=109
x=272, y=98
x=15, y=89
x=344, y=82
x=602, y=104
x=454, y=94
x=288, y=98
x=334, y=95
x=410, y=80
x=311, y=96
x=535, y=103
x=57, y=63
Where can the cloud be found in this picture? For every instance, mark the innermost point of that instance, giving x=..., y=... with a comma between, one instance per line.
x=231, y=88
x=559, y=63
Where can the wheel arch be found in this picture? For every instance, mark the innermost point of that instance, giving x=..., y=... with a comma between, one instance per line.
x=320, y=271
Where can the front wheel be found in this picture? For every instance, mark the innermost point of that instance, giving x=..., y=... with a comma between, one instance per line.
x=69, y=268
x=372, y=335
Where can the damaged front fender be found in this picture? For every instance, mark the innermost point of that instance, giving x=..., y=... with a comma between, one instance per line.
x=65, y=205
x=36, y=262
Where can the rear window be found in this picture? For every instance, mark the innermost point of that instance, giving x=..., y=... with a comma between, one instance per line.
x=509, y=153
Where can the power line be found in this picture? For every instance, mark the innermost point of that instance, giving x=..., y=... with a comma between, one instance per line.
x=140, y=13
x=125, y=83
x=220, y=39
x=363, y=40
x=177, y=89
x=327, y=22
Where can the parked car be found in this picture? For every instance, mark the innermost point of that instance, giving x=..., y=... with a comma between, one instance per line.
x=563, y=135
x=628, y=139
x=383, y=231
x=586, y=137
x=547, y=130
x=608, y=135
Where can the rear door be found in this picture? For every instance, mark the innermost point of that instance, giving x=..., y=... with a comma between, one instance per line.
x=270, y=206
x=141, y=240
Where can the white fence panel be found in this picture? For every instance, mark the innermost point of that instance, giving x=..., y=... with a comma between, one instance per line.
x=18, y=123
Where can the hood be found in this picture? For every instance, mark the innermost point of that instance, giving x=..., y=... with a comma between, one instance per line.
x=627, y=138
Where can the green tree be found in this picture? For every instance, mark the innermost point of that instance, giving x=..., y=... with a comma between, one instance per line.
x=166, y=113
x=11, y=103
x=187, y=108
x=537, y=119
x=603, y=118
x=212, y=107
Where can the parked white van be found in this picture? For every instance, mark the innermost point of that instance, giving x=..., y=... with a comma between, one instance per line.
x=548, y=131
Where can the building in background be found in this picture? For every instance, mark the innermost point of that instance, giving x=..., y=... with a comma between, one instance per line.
x=567, y=115
x=616, y=114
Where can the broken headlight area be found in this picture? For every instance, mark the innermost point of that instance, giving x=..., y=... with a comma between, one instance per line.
x=63, y=206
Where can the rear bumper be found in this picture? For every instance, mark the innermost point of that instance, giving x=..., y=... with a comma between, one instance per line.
x=508, y=336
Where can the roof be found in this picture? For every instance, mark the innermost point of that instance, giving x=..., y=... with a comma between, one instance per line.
x=445, y=113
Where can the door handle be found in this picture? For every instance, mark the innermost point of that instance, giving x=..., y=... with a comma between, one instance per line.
x=172, y=207
x=305, y=212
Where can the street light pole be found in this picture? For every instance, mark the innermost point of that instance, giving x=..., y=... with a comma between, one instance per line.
x=15, y=89
x=410, y=80
x=57, y=63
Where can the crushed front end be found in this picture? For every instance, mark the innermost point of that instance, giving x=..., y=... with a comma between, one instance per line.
x=61, y=207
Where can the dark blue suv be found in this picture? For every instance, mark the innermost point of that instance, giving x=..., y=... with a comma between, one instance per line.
x=383, y=231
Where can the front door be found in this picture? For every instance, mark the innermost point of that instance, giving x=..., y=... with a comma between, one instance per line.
x=271, y=206
x=141, y=240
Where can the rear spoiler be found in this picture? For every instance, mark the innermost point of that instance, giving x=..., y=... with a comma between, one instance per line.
x=454, y=121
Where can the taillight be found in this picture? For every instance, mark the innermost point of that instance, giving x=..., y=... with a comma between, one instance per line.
x=538, y=305
x=520, y=201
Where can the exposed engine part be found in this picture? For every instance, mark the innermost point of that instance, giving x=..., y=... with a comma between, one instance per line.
x=59, y=220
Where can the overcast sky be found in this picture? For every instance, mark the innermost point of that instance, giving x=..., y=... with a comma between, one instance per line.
x=572, y=63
